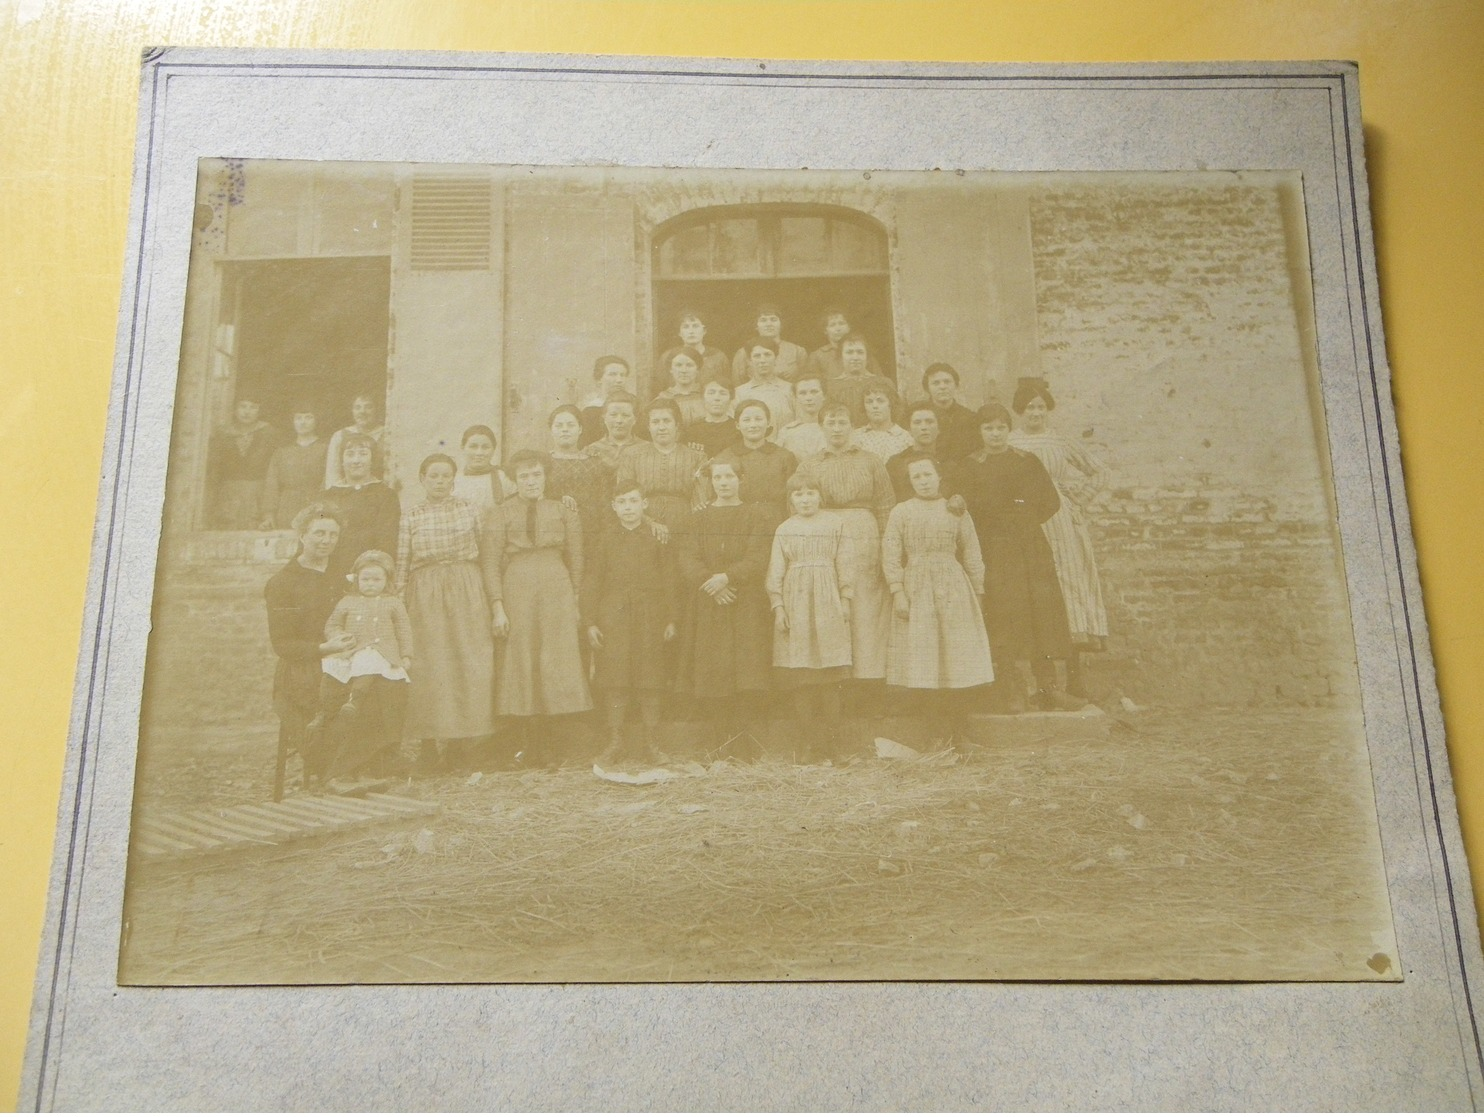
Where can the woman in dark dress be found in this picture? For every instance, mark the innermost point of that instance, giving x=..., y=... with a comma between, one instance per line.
x=369, y=511
x=300, y=599
x=576, y=478
x=1010, y=495
x=726, y=635
x=762, y=467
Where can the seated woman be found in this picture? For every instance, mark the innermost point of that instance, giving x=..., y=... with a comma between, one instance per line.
x=300, y=598
x=363, y=689
x=1009, y=496
x=535, y=579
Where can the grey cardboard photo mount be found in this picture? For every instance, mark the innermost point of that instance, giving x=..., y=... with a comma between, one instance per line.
x=1409, y=1044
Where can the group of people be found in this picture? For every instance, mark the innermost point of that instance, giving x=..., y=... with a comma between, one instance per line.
x=722, y=547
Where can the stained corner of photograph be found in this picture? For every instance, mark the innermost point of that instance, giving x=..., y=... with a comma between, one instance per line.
x=610, y=574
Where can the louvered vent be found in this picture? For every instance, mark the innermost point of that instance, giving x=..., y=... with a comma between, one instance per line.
x=450, y=222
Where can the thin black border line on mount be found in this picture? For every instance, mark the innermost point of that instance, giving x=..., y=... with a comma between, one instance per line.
x=1401, y=576
x=161, y=66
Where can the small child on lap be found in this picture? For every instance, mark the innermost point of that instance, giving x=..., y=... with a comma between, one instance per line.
x=378, y=642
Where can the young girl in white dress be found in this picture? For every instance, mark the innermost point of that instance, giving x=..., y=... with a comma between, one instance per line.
x=935, y=572
x=810, y=583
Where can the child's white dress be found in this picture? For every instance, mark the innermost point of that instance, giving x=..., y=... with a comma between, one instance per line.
x=809, y=573
x=934, y=556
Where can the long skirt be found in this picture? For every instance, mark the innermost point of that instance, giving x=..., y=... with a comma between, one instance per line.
x=817, y=635
x=1023, y=609
x=726, y=649
x=870, y=609
x=942, y=644
x=540, y=670
x=453, y=670
x=1077, y=571
x=350, y=742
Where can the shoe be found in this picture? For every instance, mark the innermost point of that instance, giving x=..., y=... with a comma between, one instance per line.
x=1062, y=700
x=612, y=752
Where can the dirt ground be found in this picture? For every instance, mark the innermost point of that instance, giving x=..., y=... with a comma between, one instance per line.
x=1210, y=844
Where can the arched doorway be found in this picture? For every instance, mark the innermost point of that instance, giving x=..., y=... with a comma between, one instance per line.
x=723, y=261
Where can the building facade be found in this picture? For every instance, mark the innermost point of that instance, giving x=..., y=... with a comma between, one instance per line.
x=1168, y=313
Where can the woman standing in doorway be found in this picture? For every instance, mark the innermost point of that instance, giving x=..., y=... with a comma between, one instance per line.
x=363, y=415
x=295, y=472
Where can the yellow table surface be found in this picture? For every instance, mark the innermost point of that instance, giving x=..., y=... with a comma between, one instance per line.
x=68, y=80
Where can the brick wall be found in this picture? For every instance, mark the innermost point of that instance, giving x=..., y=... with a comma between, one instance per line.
x=1213, y=599
x=210, y=663
x=1169, y=325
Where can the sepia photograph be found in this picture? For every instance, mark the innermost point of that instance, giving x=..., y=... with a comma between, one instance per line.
x=617, y=574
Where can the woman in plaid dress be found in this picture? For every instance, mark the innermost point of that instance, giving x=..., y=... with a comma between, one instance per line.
x=441, y=573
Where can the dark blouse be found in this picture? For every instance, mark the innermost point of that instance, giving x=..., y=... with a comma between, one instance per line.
x=1008, y=494
x=763, y=473
x=372, y=515
x=712, y=438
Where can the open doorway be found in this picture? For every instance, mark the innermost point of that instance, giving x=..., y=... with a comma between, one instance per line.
x=724, y=261
x=309, y=332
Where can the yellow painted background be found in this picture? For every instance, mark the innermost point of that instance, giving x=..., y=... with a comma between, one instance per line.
x=68, y=76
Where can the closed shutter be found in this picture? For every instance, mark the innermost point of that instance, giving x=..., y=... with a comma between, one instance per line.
x=451, y=222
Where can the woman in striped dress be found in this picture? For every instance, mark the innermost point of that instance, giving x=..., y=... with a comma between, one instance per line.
x=854, y=484
x=1078, y=478
x=667, y=471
